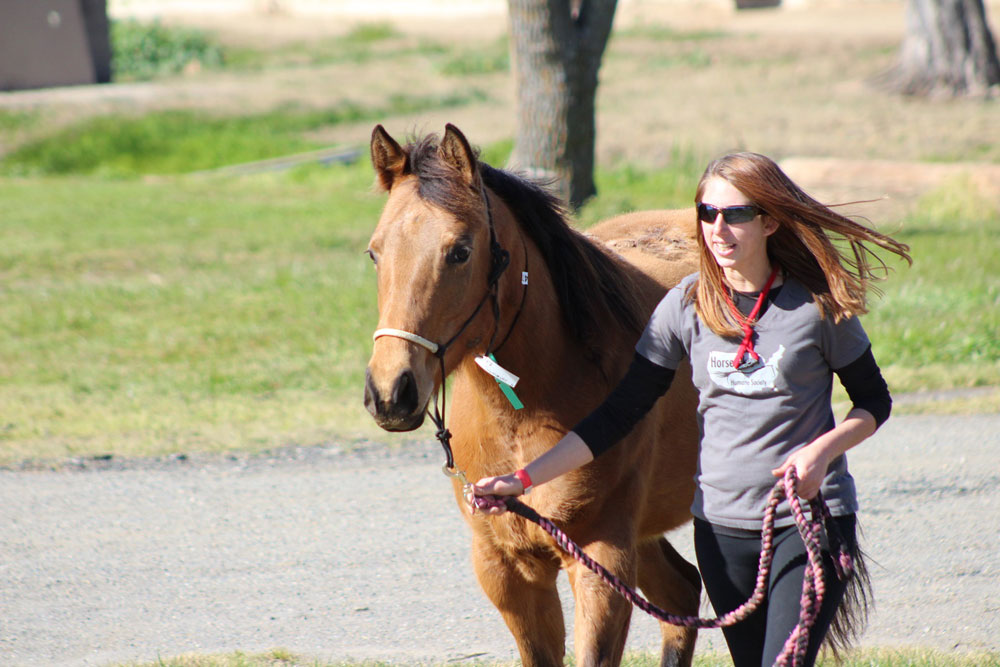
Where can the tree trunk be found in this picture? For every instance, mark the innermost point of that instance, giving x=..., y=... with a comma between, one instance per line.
x=556, y=51
x=948, y=51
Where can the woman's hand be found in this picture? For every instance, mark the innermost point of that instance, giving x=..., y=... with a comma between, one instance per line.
x=810, y=466
x=811, y=462
x=568, y=454
x=489, y=493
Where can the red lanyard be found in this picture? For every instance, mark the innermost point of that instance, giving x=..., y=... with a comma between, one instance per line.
x=746, y=345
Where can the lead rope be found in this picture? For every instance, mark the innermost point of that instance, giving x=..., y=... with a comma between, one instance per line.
x=813, y=587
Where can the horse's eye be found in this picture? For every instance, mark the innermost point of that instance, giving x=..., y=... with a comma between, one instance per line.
x=459, y=254
x=371, y=255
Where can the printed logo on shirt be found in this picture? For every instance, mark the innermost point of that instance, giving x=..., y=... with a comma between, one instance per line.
x=755, y=381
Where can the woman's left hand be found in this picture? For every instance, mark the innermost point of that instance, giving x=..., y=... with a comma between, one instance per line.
x=811, y=462
x=810, y=468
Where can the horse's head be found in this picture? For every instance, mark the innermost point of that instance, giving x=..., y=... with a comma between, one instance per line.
x=433, y=255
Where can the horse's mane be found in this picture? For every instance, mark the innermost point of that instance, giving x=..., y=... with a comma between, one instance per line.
x=591, y=285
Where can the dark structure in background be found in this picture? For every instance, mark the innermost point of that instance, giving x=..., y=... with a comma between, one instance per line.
x=46, y=43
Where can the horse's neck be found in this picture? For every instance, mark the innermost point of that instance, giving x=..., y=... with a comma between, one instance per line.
x=557, y=384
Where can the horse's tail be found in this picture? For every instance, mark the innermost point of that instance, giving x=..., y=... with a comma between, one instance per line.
x=852, y=615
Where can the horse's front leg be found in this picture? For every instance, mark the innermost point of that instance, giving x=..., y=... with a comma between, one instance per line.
x=602, y=616
x=524, y=591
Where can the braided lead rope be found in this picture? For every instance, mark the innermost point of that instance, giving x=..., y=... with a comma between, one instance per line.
x=813, y=586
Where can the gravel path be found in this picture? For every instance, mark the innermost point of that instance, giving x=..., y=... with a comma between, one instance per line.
x=321, y=552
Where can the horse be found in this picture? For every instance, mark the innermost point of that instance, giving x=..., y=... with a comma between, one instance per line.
x=472, y=260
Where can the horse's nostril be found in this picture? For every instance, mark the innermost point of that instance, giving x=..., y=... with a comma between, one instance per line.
x=404, y=394
x=371, y=394
x=398, y=409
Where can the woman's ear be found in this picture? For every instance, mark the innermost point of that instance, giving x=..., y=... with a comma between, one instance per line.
x=770, y=224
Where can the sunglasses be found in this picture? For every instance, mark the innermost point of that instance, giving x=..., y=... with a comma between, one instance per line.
x=733, y=215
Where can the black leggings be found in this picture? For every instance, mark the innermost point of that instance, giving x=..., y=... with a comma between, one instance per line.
x=728, y=560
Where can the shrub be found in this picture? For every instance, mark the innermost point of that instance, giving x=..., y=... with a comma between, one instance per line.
x=142, y=51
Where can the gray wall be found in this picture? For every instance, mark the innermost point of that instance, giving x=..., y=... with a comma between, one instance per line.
x=47, y=43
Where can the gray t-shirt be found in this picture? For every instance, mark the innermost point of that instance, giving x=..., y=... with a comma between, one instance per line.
x=751, y=421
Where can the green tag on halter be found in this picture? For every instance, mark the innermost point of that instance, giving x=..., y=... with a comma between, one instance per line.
x=508, y=391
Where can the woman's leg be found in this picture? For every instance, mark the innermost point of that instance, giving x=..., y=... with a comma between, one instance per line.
x=728, y=563
x=785, y=591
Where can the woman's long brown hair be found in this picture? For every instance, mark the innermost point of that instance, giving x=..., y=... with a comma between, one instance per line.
x=805, y=245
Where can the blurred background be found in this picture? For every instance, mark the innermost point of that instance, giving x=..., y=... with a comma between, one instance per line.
x=185, y=191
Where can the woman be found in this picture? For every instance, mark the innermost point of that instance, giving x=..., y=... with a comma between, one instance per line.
x=766, y=322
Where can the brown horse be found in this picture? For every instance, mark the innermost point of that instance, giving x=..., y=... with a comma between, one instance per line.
x=450, y=249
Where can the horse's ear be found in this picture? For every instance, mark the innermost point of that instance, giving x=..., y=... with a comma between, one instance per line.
x=456, y=151
x=388, y=158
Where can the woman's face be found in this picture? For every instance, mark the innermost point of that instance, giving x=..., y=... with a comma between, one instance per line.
x=739, y=247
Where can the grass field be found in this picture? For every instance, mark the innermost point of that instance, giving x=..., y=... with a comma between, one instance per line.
x=880, y=658
x=148, y=312
x=151, y=317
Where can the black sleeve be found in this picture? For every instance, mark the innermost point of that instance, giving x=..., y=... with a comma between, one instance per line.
x=643, y=384
x=865, y=386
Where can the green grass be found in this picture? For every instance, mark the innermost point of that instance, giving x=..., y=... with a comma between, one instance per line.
x=164, y=142
x=183, y=315
x=367, y=42
x=625, y=188
x=938, y=323
x=208, y=314
x=169, y=142
x=273, y=658
x=490, y=58
x=11, y=121
x=866, y=658
x=370, y=33
x=146, y=50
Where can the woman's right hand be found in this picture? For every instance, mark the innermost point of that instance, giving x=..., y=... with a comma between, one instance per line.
x=492, y=491
x=569, y=453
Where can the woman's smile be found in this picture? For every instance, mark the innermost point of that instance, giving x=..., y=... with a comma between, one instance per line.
x=723, y=249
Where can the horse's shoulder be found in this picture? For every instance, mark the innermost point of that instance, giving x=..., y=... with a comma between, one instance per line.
x=660, y=242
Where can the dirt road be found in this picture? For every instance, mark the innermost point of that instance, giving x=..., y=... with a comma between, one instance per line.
x=362, y=555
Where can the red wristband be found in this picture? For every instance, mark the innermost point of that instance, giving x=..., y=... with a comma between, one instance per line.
x=524, y=478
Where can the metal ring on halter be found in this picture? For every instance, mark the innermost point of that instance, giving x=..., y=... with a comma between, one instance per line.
x=406, y=335
x=468, y=491
x=452, y=472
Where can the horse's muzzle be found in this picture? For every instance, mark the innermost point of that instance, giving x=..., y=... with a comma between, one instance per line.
x=400, y=409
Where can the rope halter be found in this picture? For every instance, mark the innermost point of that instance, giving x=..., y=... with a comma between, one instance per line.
x=499, y=261
x=430, y=346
